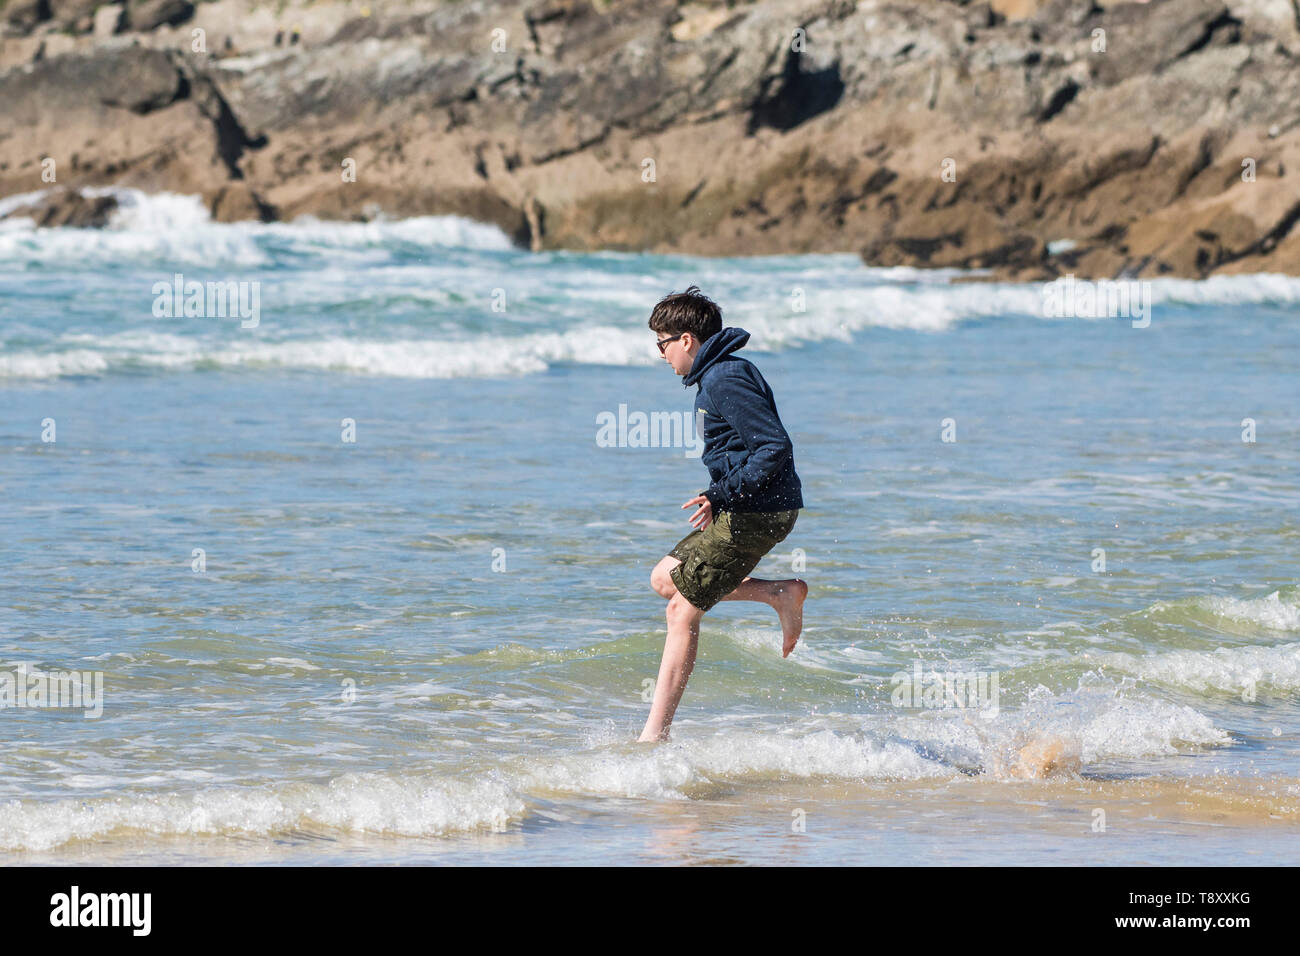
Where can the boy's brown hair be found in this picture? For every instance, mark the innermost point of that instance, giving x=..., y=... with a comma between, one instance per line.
x=690, y=311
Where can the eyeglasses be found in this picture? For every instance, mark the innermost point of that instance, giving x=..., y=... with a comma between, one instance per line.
x=663, y=343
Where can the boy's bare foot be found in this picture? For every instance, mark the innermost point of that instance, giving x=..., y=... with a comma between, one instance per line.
x=789, y=608
x=1044, y=757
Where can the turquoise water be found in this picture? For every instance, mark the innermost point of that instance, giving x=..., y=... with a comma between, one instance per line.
x=433, y=643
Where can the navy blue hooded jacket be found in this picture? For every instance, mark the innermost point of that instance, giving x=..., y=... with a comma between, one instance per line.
x=746, y=449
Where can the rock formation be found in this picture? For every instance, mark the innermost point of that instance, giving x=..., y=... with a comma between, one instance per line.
x=1028, y=137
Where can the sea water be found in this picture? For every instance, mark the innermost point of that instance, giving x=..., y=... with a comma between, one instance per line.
x=361, y=583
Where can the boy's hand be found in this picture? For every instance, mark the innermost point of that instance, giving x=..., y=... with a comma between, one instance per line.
x=704, y=517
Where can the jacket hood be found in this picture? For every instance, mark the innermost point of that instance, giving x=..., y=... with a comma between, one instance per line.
x=715, y=349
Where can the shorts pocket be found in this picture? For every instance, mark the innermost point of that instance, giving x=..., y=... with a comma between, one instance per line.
x=761, y=530
x=716, y=566
x=710, y=575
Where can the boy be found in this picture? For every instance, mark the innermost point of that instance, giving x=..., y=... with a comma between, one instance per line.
x=749, y=507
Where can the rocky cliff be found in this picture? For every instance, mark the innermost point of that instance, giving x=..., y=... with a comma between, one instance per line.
x=1029, y=137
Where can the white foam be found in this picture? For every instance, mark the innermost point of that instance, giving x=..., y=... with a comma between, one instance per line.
x=1097, y=721
x=53, y=364
x=1094, y=722
x=433, y=231
x=17, y=201
x=1145, y=728
x=1255, y=289
x=401, y=358
x=154, y=212
x=429, y=805
x=373, y=803
x=320, y=281
x=845, y=296
x=671, y=771
x=176, y=229
x=1234, y=670
x=1270, y=611
x=820, y=754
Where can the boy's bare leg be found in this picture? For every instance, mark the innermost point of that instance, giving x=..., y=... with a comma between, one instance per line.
x=786, y=597
x=676, y=666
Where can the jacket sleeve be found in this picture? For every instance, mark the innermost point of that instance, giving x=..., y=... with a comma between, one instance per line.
x=748, y=409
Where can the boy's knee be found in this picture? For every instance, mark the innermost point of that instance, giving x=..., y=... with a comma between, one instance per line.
x=661, y=580
x=657, y=582
x=680, y=609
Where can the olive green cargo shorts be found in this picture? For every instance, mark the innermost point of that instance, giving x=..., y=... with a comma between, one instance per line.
x=718, y=558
